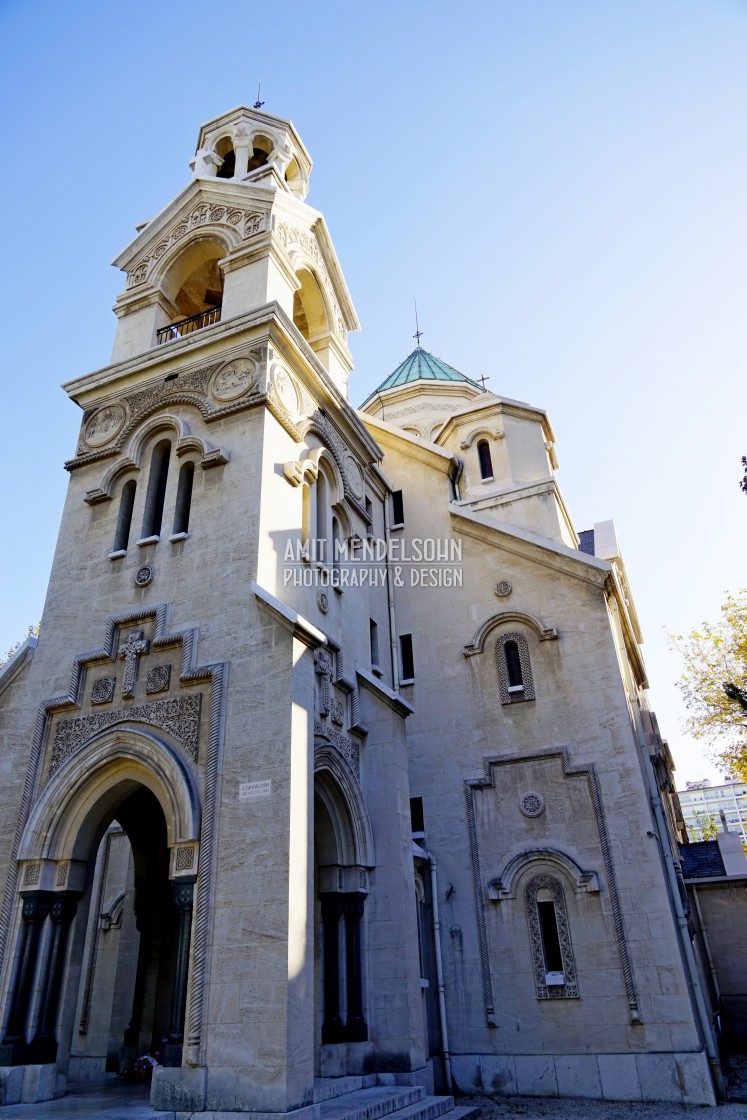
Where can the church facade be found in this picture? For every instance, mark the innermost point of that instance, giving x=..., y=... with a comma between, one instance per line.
x=333, y=759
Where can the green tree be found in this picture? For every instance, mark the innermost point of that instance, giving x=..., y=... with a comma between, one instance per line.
x=32, y=632
x=714, y=684
x=706, y=827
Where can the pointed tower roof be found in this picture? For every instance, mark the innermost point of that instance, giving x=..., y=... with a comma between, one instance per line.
x=421, y=366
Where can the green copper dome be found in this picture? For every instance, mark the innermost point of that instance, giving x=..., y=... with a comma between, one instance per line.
x=420, y=366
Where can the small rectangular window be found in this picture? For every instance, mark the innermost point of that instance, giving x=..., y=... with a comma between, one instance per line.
x=369, y=526
x=374, y=637
x=416, y=814
x=407, y=663
x=398, y=509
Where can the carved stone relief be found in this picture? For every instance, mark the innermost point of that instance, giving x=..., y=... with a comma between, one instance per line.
x=103, y=690
x=189, y=387
x=158, y=678
x=347, y=747
x=249, y=222
x=291, y=235
x=104, y=425
x=179, y=716
x=234, y=379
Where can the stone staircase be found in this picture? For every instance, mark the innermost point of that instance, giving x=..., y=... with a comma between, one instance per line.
x=366, y=1098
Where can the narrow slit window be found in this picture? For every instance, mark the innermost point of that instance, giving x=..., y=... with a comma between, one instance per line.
x=513, y=665
x=549, y=933
x=369, y=513
x=184, y=498
x=417, y=819
x=407, y=662
x=374, y=637
x=398, y=508
x=321, y=519
x=124, y=521
x=154, y=499
x=337, y=545
x=486, y=463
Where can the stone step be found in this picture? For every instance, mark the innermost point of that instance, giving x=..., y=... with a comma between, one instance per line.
x=429, y=1108
x=325, y=1088
x=373, y=1103
x=464, y=1112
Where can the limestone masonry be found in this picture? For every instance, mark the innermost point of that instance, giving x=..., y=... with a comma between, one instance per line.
x=333, y=756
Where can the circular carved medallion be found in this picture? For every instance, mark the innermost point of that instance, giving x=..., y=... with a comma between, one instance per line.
x=158, y=678
x=532, y=804
x=234, y=379
x=285, y=389
x=354, y=476
x=103, y=690
x=503, y=589
x=104, y=425
x=322, y=602
x=144, y=575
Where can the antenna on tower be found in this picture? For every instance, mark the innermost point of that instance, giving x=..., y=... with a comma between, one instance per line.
x=418, y=333
x=258, y=104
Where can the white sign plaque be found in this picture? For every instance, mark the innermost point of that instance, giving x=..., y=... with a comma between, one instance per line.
x=252, y=791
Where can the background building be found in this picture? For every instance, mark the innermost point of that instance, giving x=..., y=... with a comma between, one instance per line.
x=703, y=801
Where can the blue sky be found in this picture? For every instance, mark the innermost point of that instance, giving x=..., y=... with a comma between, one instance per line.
x=562, y=185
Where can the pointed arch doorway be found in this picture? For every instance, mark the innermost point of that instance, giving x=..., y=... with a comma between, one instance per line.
x=343, y=858
x=101, y=968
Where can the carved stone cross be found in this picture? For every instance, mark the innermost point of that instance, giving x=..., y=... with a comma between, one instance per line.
x=134, y=647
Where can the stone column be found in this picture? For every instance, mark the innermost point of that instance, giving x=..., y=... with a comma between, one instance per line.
x=242, y=151
x=144, y=928
x=356, y=1029
x=43, y=1047
x=182, y=893
x=35, y=907
x=332, y=1026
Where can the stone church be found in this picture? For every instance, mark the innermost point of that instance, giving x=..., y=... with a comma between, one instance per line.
x=332, y=767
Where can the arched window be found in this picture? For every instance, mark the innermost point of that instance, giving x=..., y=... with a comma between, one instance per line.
x=486, y=463
x=124, y=521
x=184, y=498
x=154, y=499
x=224, y=148
x=193, y=286
x=514, y=669
x=550, y=938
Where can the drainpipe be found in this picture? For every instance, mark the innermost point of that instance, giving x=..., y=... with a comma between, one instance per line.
x=440, y=972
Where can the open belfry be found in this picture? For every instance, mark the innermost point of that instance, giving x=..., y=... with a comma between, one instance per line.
x=331, y=775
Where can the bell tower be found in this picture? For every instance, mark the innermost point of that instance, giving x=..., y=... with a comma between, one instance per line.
x=210, y=701
x=238, y=238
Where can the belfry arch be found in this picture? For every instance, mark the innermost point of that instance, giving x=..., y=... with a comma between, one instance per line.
x=104, y=916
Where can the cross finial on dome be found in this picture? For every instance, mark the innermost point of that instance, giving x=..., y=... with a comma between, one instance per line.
x=418, y=333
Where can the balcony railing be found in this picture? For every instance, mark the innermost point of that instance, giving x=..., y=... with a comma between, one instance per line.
x=187, y=326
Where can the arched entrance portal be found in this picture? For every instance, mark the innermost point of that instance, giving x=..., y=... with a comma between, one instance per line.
x=343, y=857
x=109, y=856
